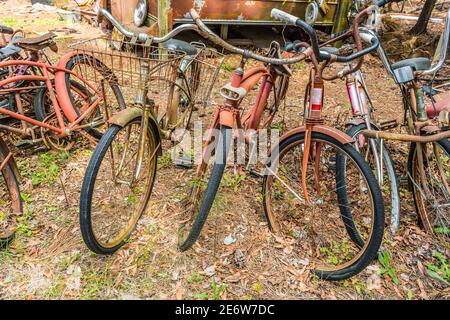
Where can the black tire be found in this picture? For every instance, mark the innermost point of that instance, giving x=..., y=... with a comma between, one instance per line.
x=445, y=145
x=223, y=148
x=373, y=244
x=87, y=191
x=10, y=193
x=40, y=103
x=92, y=62
x=354, y=131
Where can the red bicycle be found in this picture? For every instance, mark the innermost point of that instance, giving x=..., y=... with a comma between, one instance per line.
x=79, y=94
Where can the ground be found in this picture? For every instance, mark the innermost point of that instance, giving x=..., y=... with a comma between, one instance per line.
x=48, y=259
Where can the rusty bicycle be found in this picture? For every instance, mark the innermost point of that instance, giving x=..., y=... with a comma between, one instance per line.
x=74, y=97
x=321, y=189
x=428, y=132
x=328, y=148
x=163, y=86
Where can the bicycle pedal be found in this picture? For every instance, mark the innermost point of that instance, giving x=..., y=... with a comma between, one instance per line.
x=183, y=162
x=388, y=124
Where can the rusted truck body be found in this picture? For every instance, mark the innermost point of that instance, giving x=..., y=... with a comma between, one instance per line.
x=330, y=13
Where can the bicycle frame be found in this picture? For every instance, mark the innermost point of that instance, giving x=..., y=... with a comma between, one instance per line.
x=60, y=108
x=234, y=92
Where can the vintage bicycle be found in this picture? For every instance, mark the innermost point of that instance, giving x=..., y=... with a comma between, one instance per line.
x=427, y=132
x=331, y=146
x=163, y=87
x=75, y=96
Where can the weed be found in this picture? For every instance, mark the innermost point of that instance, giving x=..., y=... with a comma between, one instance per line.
x=233, y=181
x=216, y=292
x=442, y=270
x=385, y=259
x=195, y=278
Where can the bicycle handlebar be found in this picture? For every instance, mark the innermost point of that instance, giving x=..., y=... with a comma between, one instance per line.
x=293, y=20
x=210, y=35
x=6, y=30
x=201, y=29
x=143, y=37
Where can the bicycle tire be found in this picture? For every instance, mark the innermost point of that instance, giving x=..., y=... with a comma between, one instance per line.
x=39, y=104
x=13, y=190
x=419, y=205
x=353, y=131
x=87, y=191
x=371, y=250
x=214, y=180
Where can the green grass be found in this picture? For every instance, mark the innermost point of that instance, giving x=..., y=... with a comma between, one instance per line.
x=47, y=168
x=385, y=259
x=195, y=278
x=440, y=270
x=215, y=294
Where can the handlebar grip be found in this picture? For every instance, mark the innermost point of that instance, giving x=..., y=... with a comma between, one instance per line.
x=283, y=16
x=6, y=30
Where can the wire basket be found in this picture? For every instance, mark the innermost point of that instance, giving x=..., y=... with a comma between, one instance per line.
x=130, y=65
x=204, y=72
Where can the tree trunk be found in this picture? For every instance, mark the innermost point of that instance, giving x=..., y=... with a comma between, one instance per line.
x=422, y=23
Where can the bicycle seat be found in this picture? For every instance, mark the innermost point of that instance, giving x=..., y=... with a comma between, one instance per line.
x=37, y=43
x=275, y=52
x=418, y=64
x=182, y=46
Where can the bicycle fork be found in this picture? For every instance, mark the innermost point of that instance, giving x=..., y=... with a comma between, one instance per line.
x=314, y=118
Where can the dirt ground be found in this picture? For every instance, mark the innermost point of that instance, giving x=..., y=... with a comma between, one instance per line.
x=48, y=259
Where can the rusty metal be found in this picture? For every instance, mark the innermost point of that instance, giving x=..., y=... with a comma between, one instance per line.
x=406, y=137
x=228, y=12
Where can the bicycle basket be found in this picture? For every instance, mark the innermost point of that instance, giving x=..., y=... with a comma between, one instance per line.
x=136, y=68
x=202, y=73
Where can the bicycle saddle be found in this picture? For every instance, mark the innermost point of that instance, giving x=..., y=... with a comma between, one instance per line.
x=178, y=45
x=275, y=52
x=38, y=43
x=418, y=64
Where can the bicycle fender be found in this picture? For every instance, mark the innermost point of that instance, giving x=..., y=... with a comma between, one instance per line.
x=336, y=134
x=123, y=117
x=61, y=89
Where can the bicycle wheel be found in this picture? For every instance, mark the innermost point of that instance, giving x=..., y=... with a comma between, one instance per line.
x=115, y=193
x=103, y=80
x=317, y=229
x=43, y=105
x=10, y=201
x=385, y=173
x=203, y=188
x=432, y=194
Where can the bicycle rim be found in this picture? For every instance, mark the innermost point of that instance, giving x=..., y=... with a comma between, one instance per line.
x=121, y=191
x=318, y=230
x=432, y=194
